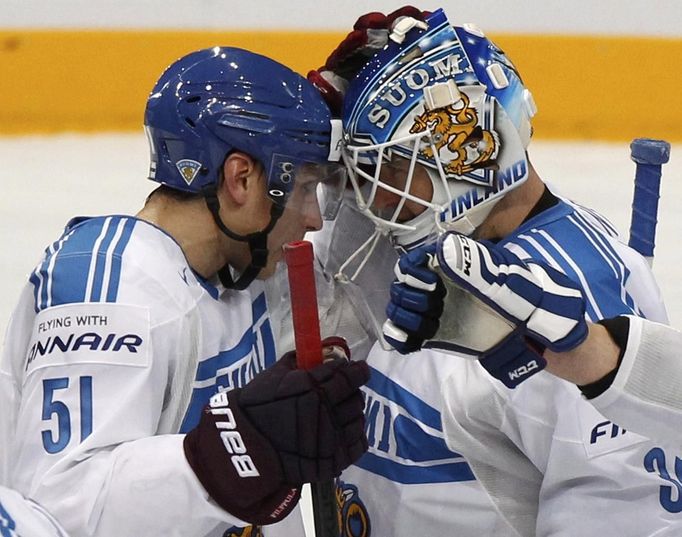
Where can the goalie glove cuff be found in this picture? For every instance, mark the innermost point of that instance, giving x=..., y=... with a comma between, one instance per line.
x=514, y=360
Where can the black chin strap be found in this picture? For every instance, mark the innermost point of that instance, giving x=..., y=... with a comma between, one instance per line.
x=258, y=242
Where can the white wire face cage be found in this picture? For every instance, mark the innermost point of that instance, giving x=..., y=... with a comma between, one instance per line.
x=367, y=164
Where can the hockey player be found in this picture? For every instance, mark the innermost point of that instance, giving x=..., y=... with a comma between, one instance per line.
x=141, y=394
x=20, y=517
x=409, y=483
x=626, y=366
x=437, y=124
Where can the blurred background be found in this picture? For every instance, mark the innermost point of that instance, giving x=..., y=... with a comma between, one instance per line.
x=75, y=74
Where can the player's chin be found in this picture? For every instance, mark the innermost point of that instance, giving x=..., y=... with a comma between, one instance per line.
x=274, y=258
x=267, y=271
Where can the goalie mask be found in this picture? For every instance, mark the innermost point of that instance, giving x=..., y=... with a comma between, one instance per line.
x=441, y=101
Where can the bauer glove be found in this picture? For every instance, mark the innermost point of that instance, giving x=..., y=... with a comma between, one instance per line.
x=256, y=446
x=496, y=306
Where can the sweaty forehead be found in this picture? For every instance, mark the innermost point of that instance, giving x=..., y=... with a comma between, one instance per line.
x=311, y=172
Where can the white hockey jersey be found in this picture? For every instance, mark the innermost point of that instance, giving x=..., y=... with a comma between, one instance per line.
x=553, y=465
x=113, y=350
x=645, y=396
x=20, y=517
x=409, y=483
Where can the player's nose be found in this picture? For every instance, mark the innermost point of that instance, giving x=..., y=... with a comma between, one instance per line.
x=383, y=200
x=313, y=217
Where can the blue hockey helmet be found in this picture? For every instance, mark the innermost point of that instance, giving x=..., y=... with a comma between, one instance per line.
x=449, y=99
x=223, y=99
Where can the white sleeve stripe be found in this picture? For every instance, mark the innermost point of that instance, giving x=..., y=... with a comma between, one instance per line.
x=93, y=262
x=610, y=255
x=108, y=256
x=547, y=257
x=50, y=268
x=578, y=272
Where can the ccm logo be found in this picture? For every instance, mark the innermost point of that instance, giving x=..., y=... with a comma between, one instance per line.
x=523, y=370
x=232, y=440
x=466, y=256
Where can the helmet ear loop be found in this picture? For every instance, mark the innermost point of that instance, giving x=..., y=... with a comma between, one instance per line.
x=257, y=241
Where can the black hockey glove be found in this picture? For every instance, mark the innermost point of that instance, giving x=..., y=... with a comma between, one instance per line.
x=255, y=446
x=370, y=34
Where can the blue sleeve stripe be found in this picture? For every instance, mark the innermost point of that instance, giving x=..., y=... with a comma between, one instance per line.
x=65, y=282
x=598, y=220
x=38, y=281
x=601, y=244
x=79, y=266
x=613, y=259
x=35, y=281
x=67, y=269
x=603, y=298
x=532, y=250
x=209, y=368
x=38, y=276
x=105, y=265
x=259, y=307
x=571, y=269
x=265, y=344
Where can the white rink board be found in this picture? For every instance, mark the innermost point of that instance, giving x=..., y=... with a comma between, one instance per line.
x=605, y=17
x=48, y=179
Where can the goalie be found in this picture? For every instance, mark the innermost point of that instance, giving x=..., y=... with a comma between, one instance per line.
x=424, y=161
x=626, y=366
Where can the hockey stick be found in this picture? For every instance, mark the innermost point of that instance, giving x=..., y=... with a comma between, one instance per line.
x=299, y=257
x=649, y=156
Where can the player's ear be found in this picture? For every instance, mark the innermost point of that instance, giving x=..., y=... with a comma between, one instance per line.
x=240, y=176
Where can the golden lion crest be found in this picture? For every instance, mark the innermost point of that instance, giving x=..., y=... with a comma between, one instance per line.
x=458, y=131
x=352, y=514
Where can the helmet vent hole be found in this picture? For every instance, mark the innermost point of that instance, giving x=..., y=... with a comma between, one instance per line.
x=252, y=113
x=190, y=122
x=193, y=99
